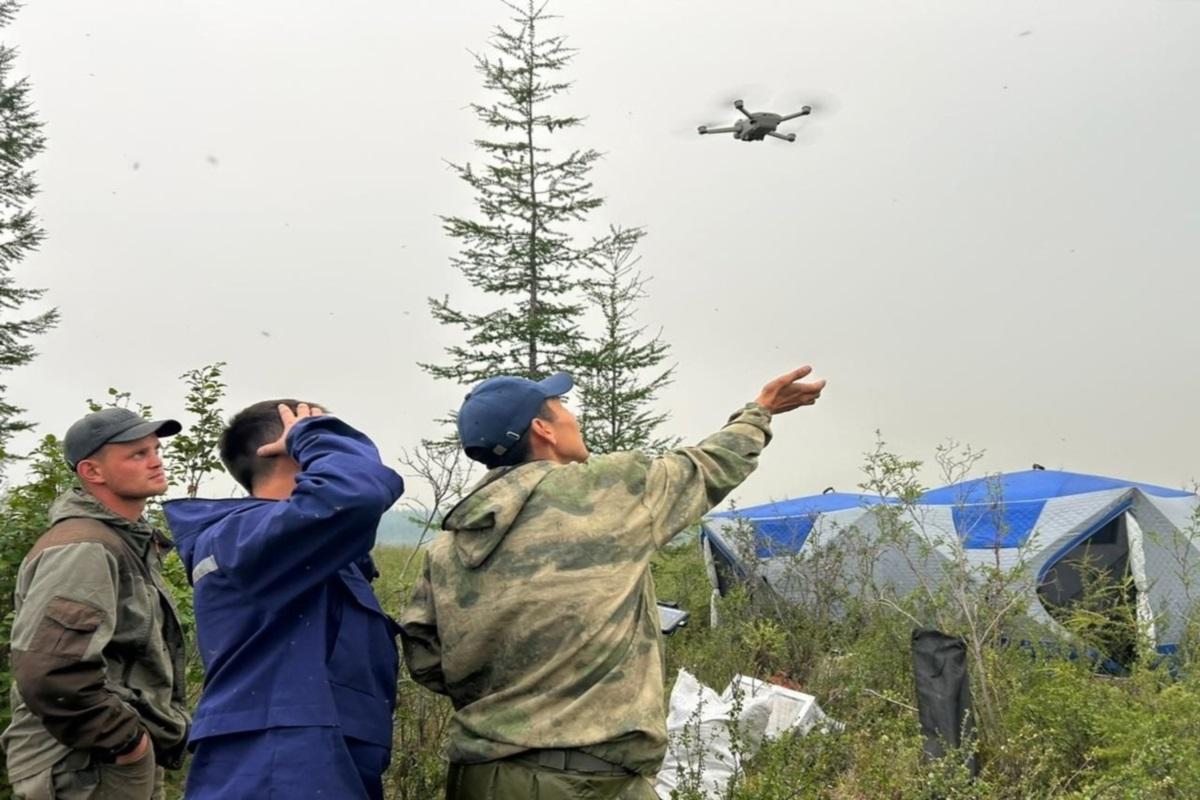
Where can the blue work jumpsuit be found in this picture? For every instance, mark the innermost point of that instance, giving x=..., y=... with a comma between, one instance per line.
x=300, y=660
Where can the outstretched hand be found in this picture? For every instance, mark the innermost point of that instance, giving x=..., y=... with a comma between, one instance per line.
x=289, y=418
x=787, y=392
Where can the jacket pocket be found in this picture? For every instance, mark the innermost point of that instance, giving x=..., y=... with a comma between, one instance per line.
x=66, y=628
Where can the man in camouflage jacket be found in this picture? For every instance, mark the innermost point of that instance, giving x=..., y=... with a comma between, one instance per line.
x=98, y=697
x=536, y=612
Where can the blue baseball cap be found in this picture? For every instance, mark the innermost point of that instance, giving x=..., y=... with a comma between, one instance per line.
x=496, y=413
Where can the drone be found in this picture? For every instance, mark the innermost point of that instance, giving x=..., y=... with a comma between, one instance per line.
x=758, y=125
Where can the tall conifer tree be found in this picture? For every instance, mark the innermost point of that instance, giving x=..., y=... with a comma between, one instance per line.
x=518, y=248
x=21, y=140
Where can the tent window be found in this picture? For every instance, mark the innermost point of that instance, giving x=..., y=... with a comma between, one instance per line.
x=1094, y=577
x=1102, y=557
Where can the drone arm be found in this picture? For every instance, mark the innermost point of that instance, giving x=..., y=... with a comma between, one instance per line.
x=804, y=112
x=787, y=137
x=705, y=129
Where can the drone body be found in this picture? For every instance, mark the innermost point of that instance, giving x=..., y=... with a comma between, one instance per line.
x=758, y=125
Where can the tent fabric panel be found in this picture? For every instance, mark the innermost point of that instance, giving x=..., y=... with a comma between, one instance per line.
x=1007, y=524
x=788, y=535
x=1171, y=556
x=891, y=570
x=1178, y=511
x=1137, y=568
x=1035, y=484
x=777, y=535
x=804, y=506
x=1064, y=518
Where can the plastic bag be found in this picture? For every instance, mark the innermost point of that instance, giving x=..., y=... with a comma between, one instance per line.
x=710, y=735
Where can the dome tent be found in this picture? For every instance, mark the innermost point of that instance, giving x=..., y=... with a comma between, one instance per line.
x=1052, y=522
x=832, y=532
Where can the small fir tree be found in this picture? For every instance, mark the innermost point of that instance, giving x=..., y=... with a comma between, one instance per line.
x=621, y=372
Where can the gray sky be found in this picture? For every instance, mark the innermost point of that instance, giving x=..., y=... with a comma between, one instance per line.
x=995, y=239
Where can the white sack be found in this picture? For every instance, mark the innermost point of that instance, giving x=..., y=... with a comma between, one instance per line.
x=700, y=729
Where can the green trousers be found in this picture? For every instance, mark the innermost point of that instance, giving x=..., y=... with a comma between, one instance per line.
x=78, y=777
x=513, y=780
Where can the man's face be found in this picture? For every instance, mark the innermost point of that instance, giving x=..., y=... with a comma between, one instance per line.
x=568, y=439
x=131, y=470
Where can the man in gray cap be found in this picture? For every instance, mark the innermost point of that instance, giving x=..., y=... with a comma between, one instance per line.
x=98, y=697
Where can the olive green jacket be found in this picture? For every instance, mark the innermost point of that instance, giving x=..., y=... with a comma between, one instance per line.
x=536, y=611
x=97, y=646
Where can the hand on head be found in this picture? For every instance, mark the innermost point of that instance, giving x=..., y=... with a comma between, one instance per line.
x=289, y=418
x=788, y=392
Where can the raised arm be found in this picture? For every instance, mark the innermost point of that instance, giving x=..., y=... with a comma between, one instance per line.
x=329, y=521
x=684, y=484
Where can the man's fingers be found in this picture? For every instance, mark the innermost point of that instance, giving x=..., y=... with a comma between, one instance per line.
x=286, y=415
x=316, y=411
x=804, y=389
x=791, y=377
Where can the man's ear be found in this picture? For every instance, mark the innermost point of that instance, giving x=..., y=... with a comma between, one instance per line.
x=542, y=428
x=89, y=472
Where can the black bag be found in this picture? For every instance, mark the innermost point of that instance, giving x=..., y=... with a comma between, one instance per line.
x=944, y=695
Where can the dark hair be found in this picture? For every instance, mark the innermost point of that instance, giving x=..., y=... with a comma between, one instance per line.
x=248, y=430
x=518, y=453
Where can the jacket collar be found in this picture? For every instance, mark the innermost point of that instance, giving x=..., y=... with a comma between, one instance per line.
x=76, y=503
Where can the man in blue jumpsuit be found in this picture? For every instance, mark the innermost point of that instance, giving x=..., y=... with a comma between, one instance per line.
x=300, y=660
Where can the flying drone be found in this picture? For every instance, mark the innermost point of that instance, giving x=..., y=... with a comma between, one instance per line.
x=758, y=125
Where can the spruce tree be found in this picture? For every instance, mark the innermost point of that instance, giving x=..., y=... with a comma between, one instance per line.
x=620, y=372
x=518, y=247
x=20, y=141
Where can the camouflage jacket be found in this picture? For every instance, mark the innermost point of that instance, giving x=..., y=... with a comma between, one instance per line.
x=97, y=647
x=536, y=610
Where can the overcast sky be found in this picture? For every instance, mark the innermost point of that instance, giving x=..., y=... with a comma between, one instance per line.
x=995, y=239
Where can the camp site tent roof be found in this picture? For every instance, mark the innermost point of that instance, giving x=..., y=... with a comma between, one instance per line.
x=1046, y=520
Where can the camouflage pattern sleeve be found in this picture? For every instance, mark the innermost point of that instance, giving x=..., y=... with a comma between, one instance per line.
x=419, y=635
x=684, y=484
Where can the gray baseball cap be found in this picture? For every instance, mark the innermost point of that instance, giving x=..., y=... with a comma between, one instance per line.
x=111, y=425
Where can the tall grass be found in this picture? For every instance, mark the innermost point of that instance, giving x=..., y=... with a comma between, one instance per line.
x=1062, y=729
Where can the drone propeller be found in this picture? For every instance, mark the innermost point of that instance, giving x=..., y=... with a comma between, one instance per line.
x=751, y=93
x=687, y=130
x=805, y=135
x=823, y=104
x=757, y=97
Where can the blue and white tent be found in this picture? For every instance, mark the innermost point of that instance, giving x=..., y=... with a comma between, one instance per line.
x=1052, y=522
x=837, y=537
